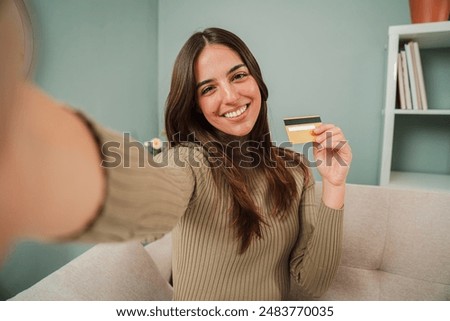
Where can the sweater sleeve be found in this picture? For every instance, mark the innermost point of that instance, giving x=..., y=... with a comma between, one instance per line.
x=316, y=255
x=145, y=195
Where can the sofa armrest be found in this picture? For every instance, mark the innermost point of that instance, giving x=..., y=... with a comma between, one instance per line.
x=113, y=271
x=161, y=253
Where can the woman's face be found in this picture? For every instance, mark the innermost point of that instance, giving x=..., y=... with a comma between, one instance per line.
x=227, y=94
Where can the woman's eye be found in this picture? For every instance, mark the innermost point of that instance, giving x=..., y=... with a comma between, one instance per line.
x=206, y=90
x=240, y=76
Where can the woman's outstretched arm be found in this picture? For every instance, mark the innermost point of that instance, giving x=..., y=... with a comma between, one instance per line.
x=51, y=182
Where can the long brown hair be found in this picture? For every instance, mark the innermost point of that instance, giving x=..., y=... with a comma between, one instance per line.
x=184, y=123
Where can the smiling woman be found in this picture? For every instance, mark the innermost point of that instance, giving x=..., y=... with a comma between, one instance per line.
x=218, y=100
x=243, y=216
x=228, y=80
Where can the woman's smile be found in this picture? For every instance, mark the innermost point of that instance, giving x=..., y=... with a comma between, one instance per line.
x=237, y=113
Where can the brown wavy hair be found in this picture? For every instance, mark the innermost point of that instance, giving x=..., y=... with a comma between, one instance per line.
x=184, y=123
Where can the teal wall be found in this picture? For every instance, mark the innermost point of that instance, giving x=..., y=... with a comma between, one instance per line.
x=422, y=144
x=323, y=57
x=101, y=56
x=113, y=59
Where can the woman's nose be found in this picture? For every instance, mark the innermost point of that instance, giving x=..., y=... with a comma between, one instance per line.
x=230, y=94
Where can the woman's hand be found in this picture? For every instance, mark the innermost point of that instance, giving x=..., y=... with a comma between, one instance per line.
x=332, y=153
x=333, y=156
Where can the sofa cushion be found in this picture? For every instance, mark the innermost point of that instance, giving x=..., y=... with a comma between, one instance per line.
x=349, y=284
x=365, y=222
x=418, y=235
x=396, y=287
x=353, y=284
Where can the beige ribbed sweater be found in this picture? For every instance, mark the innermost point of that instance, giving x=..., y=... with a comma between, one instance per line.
x=179, y=193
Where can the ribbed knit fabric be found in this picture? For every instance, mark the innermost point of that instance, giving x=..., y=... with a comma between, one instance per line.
x=180, y=193
x=144, y=200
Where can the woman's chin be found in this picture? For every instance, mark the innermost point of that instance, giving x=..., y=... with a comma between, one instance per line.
x=240, y=133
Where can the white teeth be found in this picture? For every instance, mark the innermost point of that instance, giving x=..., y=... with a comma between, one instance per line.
x=236, y=113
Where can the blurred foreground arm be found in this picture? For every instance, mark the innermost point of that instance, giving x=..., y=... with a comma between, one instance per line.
x=51, y=182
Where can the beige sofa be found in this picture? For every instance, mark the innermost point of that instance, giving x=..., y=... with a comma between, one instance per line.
x=396, y=247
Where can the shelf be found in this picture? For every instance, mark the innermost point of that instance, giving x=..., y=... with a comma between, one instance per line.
x=437, y=182
x=410, y=137
x=444, y=112
x=428, y=35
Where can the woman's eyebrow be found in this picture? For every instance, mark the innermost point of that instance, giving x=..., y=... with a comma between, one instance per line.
x=235, y=68
x=201, y=83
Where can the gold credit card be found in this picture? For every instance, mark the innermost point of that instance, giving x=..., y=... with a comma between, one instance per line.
x=299, y=129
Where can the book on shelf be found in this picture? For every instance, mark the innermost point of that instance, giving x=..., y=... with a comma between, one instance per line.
x=406, y=84
x=423, y=95
x=401, y=85
x=410, y=78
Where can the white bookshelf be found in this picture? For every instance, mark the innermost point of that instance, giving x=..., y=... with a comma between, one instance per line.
x=429, y=36
x=420, y=181
x=422, y=112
